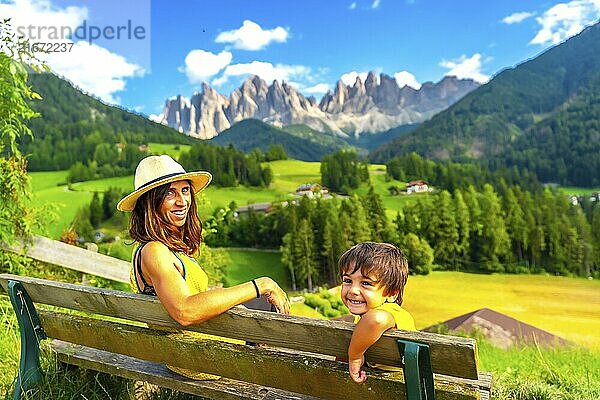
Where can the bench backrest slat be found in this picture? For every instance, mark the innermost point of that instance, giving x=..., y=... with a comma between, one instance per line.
x=328, y=379
x=451, y=356
x=65, y=255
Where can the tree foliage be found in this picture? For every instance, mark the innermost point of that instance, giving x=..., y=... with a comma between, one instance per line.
x=343, y=171
x=15, y=214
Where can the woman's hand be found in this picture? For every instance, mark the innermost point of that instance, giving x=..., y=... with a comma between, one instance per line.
x=274, y=294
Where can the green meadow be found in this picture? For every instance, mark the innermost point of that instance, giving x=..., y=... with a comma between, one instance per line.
x=577, y=191
x=246, y=265
x=51, y=188
x=174, y=150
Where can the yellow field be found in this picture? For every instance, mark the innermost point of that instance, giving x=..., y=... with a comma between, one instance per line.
x=566, y=307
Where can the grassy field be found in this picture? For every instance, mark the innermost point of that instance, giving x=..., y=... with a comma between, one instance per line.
x=249, y=264
x=566, y=307
x=174, y=150
x=577, y=191
x=381, y=183
x=51, y=188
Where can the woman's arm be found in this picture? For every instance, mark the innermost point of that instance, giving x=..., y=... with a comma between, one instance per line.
x=188, y=309
x=368, y=330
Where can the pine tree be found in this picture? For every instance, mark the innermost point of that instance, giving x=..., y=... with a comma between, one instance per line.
x=358, y=226
x=304, y=254
x=287, y=257
x=463, y=226
x=495, y=242
x=375, y=210
x=96, y=211
x=442, y=230
x=516, y=227
x=418, y=253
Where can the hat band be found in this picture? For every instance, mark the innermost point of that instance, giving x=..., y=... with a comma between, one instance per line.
x=160, y=178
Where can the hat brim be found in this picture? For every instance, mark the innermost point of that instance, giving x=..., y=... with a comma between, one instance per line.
x=199, y=179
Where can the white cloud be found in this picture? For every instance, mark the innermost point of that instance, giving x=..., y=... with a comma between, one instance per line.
x=405, y=78
x=565, y=20
x=158, y=118
x=466, y=68
x=94, y=69
x=265, y=70
x=350, y=78
x=250, y=36
x=200, y=65
x=41, y=13
x=376, y=3
x=517, y=17
x=352, y=6
x=320, y=88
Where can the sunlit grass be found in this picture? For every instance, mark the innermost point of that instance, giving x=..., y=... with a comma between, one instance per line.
x=174, y=150
x=531, y=373
x=577, y=191
x=246, y=265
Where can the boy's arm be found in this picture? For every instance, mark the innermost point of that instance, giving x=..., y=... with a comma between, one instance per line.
x=368, y=330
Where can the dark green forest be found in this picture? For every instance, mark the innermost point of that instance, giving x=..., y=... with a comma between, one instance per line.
x=541, y=115
x=343, y=171
x=300, y=142
x=75, y=127
x=476, y=220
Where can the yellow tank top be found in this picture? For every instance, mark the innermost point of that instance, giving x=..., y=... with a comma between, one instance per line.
x=402, y=317
x=197, y=281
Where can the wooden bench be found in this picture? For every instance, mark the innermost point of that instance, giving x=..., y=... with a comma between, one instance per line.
x=297, y=360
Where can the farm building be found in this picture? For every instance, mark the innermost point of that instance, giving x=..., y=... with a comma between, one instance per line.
x=264, y=208
x=418, y=186
x=312, y=190
x=500, y=329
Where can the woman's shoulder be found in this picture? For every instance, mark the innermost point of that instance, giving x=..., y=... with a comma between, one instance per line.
x=155, y=248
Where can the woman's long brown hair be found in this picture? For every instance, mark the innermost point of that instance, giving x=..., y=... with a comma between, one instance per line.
x=147, y=224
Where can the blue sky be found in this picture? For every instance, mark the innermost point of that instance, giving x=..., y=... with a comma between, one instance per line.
x=309, y=43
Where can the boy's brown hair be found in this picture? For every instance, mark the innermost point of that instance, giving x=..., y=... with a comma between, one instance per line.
x=381, y=261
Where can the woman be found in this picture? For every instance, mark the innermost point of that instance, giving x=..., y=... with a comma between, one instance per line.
x=167, y=231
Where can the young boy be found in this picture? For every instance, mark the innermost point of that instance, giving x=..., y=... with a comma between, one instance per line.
x=373, y=280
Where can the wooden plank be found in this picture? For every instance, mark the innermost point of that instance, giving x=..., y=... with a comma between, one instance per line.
x=72, y=257
x=158, y=374
x=258, y=365
x=453, y=356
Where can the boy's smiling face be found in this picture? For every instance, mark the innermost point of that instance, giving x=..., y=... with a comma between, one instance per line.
x=362, y=293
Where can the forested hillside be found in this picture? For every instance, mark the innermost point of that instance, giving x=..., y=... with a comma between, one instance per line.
x=300, y=143
x=76, y=127
x=544, y=108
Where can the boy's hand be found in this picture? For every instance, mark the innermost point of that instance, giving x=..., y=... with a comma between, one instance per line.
x=356, y=373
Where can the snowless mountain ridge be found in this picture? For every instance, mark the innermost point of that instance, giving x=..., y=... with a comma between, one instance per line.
x=374, y=105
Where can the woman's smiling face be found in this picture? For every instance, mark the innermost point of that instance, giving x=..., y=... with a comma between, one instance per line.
x=176, y=204
x=361, y=293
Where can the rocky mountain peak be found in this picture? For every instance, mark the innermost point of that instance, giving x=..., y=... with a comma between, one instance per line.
x=374, y=105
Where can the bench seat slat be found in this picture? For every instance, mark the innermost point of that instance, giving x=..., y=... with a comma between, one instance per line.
x=451, y=356
x=258, y=365
x=158, y=374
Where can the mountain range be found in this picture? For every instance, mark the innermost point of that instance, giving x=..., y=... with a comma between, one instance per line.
x=375, y=105
x=542, y=115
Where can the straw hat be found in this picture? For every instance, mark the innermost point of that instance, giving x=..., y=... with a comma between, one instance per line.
x=154, y=171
